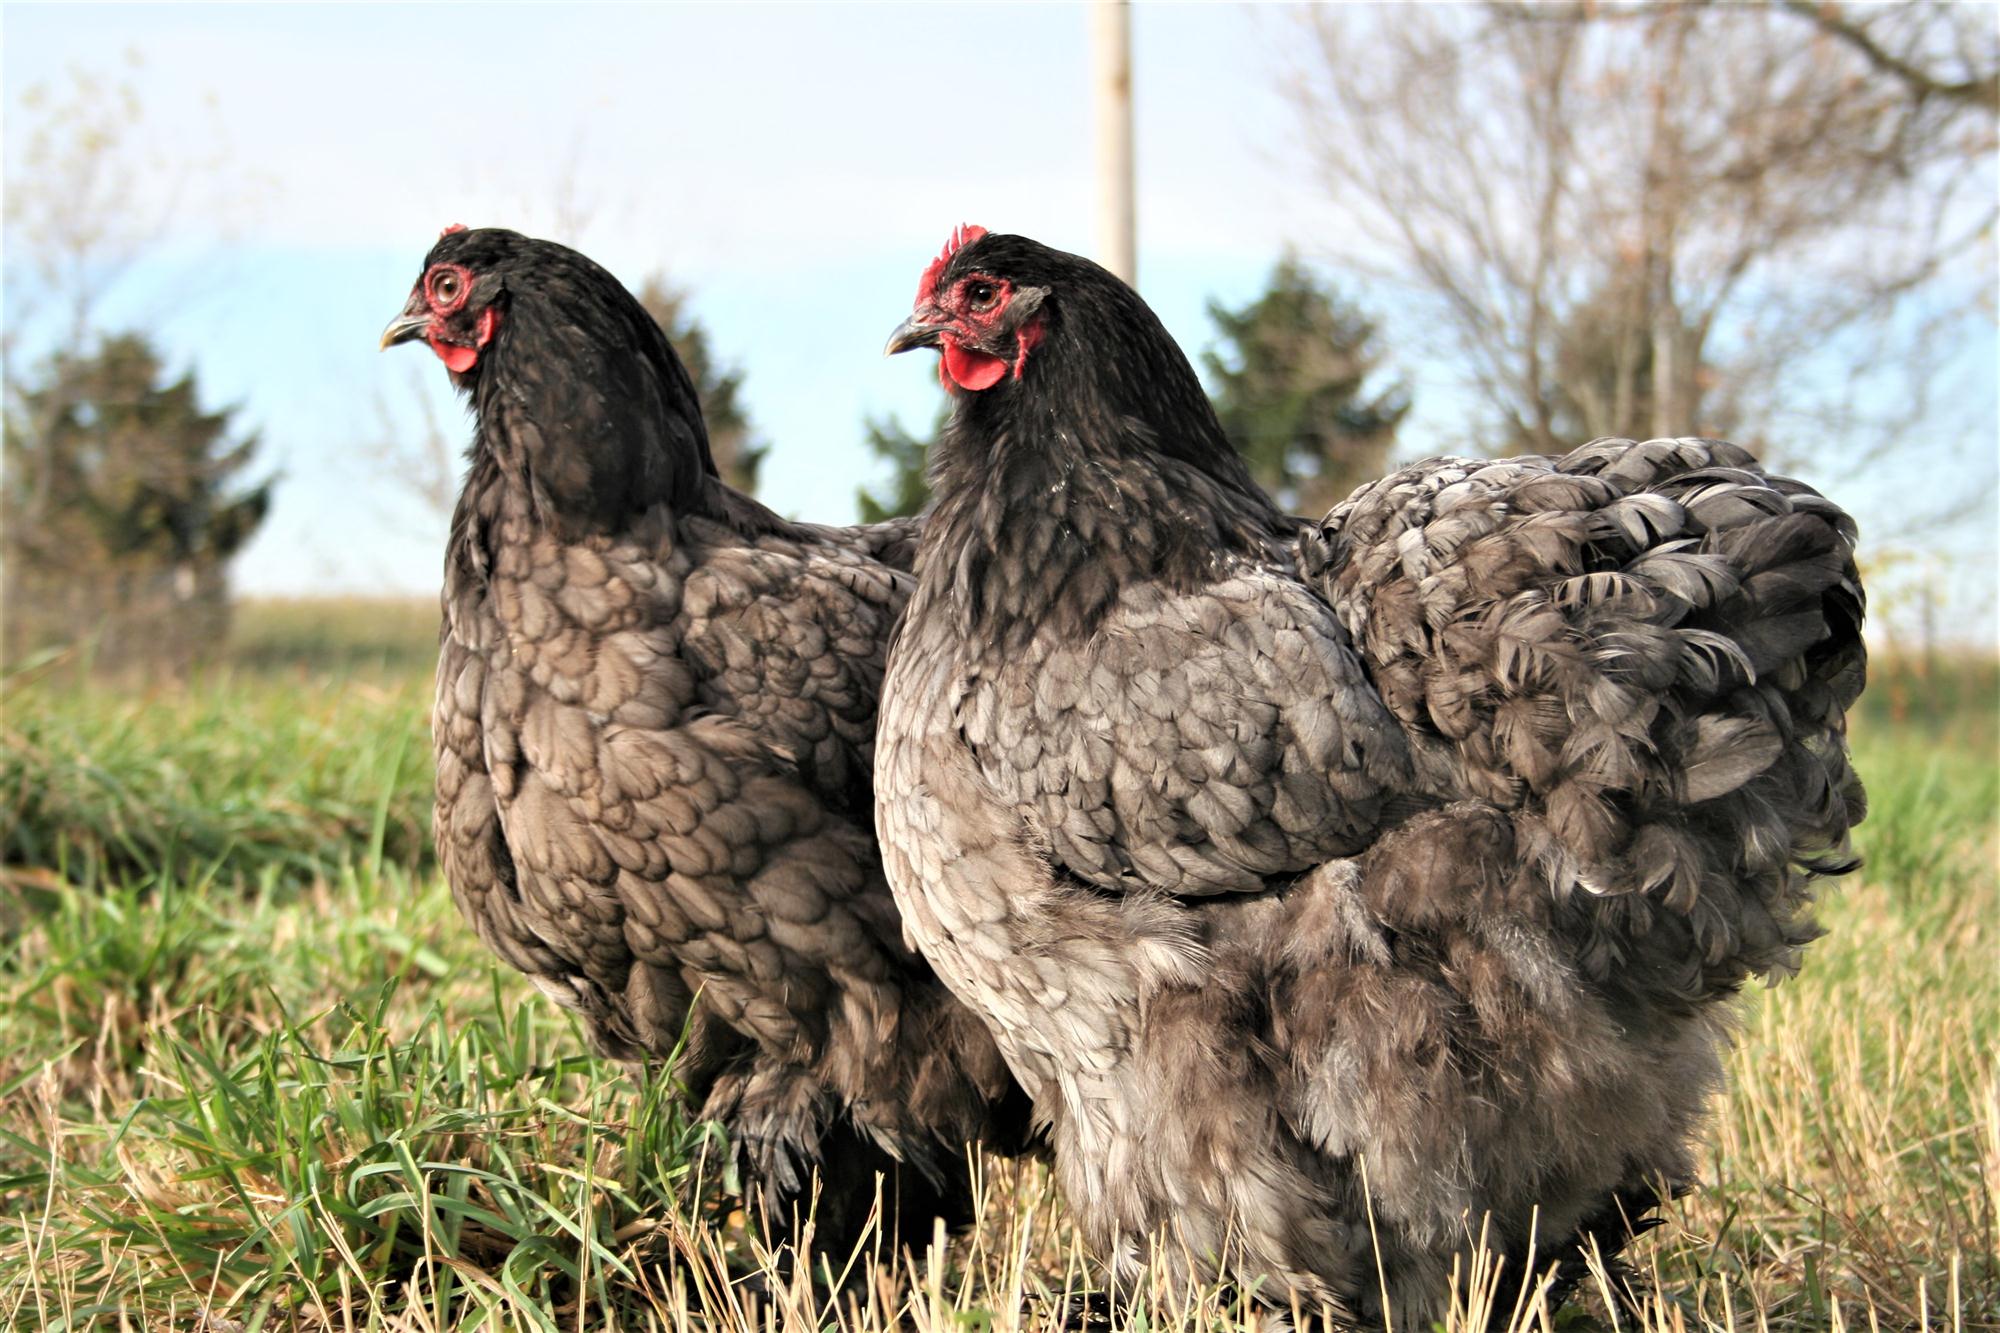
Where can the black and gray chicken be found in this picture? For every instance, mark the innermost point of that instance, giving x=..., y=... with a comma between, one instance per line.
x=654, y=731
x=1346, y=893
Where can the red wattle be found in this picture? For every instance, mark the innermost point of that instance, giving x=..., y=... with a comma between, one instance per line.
x=456, y=359
x=970, y=369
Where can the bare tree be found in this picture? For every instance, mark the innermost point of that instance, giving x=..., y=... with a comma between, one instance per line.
x=1760, y=221
x=1946, y=60
x=89, y=195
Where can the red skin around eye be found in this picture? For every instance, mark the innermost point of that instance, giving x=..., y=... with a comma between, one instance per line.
x=457, y=358
x=464, y=288
x=974, y=370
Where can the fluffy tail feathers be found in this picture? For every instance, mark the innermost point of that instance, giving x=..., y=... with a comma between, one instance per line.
x=1645, y=652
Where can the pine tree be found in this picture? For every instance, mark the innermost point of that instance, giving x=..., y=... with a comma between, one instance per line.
x=739, y=453
x=122, y=509
x=1290, y=382
x=907, y=489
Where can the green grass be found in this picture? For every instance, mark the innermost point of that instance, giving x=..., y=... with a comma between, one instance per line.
x=255, y=1074
x=263, y=765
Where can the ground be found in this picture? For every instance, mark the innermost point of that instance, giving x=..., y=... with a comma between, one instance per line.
x=255, y=1074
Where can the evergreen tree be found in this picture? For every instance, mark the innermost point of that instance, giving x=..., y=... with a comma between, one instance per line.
x=1290, y=382
x=739, y=453
x=122, y=509
x=907, y=489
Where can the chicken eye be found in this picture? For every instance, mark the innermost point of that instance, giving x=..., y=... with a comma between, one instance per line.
x=980, y=293
x=445, y=287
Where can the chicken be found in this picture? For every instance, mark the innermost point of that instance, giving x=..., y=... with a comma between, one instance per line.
x=1346, y=893
x=654, y=730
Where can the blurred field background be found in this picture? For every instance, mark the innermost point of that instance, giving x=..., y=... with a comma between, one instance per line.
x=254, y=1072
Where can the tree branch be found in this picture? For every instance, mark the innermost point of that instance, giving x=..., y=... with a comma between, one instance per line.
x=1982, y=90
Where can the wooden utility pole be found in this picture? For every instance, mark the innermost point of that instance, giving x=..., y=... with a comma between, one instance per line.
x=1111, y=58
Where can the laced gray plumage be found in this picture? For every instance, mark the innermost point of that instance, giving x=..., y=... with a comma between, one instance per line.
x=1368, y=883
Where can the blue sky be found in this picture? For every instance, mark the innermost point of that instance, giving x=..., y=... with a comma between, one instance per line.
x=795, y=166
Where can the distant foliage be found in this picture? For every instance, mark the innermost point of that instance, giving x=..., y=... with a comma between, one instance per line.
x=123, y=502
x=739, y=451
x=907, y=488
x=1291, y=382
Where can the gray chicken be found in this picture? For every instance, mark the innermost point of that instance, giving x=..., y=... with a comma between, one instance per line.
x=1346, y=894
x=654, y=730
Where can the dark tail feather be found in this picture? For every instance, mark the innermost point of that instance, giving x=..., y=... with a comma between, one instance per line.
x=1645, y=650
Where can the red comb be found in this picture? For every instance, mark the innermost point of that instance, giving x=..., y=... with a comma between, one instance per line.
x=454, y=227
x=965, y=234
